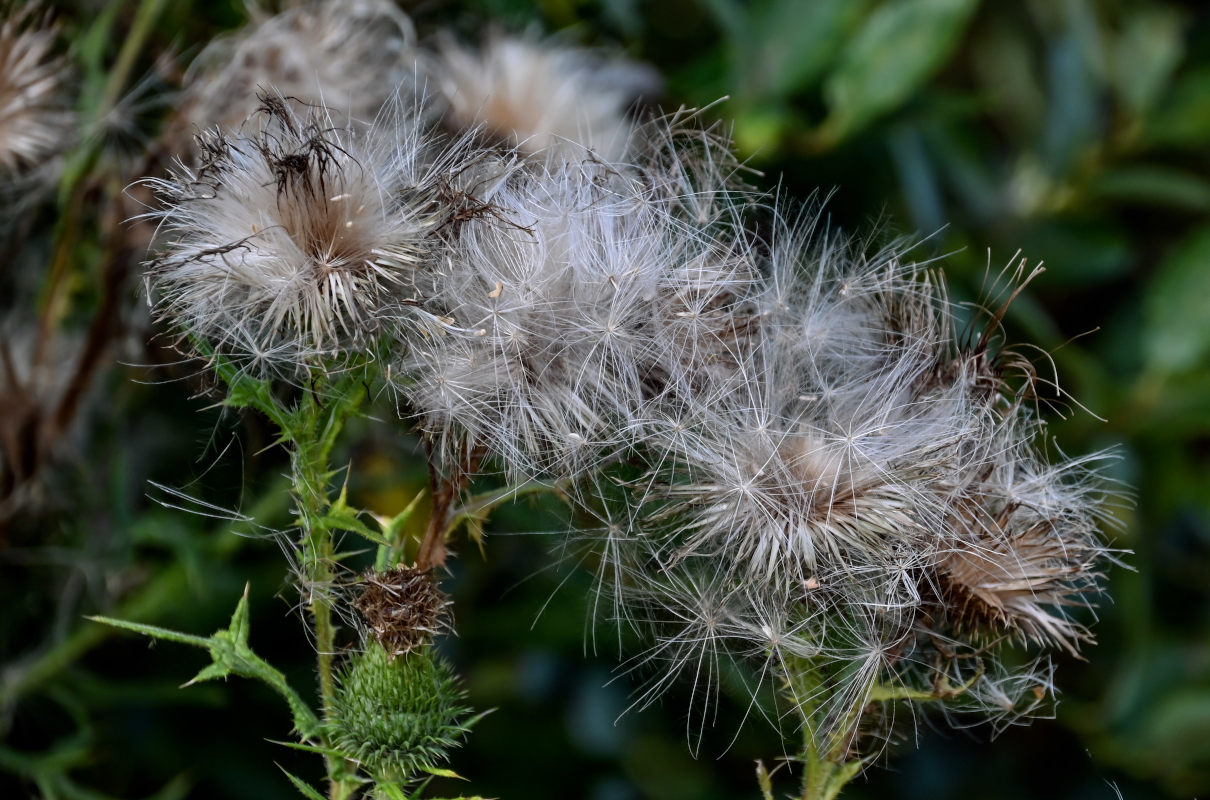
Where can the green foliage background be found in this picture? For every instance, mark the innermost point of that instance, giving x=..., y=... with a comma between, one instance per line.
x=1074, y=132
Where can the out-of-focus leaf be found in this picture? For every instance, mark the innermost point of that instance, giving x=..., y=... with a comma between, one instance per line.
x=1176, y=411
x=900, y=45
x=790, y=43
x=1182, y=119
x=1153, y=185
x=1008, y=79
x=1177, y=307
x=1179, y=726
x=759, y=131
x=703, y=80
x=1071, y=119
x=917, y=177
x=963, y=167
x=1145, y=56
x=1079, y=253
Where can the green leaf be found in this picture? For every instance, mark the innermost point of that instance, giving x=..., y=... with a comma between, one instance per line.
x=302, y=786
x=1079, y=252
x=764, y=780
x=1177, y=328
x=1182, y=118
x=1145, y=56
x=231, y=655
x=154, y=631
x=394, y=530
x=900, y=45
x=342, y=517
x=1153, y=185
x=392, y=791
x=788, y=44
x=311, y=748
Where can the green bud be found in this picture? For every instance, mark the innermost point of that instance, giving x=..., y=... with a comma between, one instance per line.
x=398, y=717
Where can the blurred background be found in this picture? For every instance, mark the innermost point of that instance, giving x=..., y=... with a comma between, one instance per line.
x=1072, y=132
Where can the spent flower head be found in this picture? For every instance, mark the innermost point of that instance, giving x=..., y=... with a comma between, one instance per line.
x=540, y=96
x=863, y=497
x=294, y=238
x=33, y=116
x=351, y=56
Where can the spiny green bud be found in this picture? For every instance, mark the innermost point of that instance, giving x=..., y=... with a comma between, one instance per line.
x=398, y=717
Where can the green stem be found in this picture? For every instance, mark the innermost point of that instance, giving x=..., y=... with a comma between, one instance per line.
x=313, y=428
x=826, y=771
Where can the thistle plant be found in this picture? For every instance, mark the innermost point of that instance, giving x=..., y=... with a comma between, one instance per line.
x=799, y=461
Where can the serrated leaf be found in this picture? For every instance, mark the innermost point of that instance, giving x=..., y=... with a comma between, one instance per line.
x=1177, y=307
x=209, y=672
x=154, y=631
x=440, y=772
x=897, y=48
x=344, y=518
x=305, y=789
x=231, y=655
x=1079, y=252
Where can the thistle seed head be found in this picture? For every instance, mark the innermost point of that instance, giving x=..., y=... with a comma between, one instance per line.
x=298, y=239
x=540, y=96
x=351, y=56
x=861, y=493
x=33, y=117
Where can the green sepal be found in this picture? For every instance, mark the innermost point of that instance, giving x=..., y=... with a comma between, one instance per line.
x=764, y=780
x=343, y=517
x=391, y=551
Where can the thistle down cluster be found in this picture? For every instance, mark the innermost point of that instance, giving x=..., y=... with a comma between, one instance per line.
x=799, y=460
x=33, y=116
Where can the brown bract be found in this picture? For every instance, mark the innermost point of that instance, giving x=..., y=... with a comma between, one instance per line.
x=404, y=608
x=999, y=583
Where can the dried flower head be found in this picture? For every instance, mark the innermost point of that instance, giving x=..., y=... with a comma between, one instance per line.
x=564, y=283
x=539, y=95
x=33, y=119
x=404, y=608
x=299, y=238
x=858, y=503
x=351, y=56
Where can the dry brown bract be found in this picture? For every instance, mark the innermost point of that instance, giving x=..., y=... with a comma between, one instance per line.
x=404, y=608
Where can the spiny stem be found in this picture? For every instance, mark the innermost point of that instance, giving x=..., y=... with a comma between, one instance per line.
x=825, y=772
x=313, y=428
